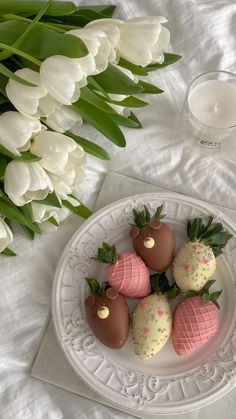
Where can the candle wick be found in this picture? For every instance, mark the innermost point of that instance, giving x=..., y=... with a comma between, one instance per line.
x=216, y=107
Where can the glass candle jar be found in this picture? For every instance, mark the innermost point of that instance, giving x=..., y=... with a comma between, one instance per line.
x=209, y=111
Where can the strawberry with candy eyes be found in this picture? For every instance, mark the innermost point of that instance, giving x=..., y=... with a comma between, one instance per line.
x=153, y=240
x=107, y=313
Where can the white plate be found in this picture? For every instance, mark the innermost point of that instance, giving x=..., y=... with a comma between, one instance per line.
x=167, y=383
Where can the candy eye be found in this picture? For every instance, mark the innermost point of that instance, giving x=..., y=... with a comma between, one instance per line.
x=149, y=242
x=103, y=312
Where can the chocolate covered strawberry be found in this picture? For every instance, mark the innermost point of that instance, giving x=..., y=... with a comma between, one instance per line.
x=107, y=314
x=195, y=261
x=127, y=272
x=152, y=239
x=195, y=320
x=152, y=319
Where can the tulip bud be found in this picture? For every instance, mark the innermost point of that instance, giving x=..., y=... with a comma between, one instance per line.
x=6, y=236
x=31, y=101
x=16, y=131
x=24, y=182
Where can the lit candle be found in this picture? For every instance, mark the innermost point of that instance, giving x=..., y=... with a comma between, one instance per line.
x=211, y=105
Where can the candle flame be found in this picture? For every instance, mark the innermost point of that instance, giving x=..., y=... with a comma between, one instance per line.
x=216, y=107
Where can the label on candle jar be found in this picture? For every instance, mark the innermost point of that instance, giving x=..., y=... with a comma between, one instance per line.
x=210, y=144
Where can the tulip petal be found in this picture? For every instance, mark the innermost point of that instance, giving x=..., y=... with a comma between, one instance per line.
x=39, y=179
x=110, y=27
x=64, y=119
x=6, y=236
x=16, y=181
x=163, y=41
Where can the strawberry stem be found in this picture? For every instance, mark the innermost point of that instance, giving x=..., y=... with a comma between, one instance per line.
x=143, y=218
x=211, y=234
x=160, y=285
x=106, y=254
x=204, y=293
x=95, y=287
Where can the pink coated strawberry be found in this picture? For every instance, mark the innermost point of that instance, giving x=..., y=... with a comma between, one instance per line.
x=195, y=321
x=127, y=272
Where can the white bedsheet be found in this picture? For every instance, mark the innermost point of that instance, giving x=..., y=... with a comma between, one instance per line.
x=203, y=32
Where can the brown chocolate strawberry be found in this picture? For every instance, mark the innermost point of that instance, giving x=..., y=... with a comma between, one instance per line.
x=153, y=240
x=107, y=314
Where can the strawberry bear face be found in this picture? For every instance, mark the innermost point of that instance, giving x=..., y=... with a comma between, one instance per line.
x=155, y=244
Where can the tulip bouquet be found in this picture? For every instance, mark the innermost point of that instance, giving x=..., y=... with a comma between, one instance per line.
x=62, y=66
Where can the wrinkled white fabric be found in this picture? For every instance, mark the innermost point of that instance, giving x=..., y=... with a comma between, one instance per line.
x=203, y=32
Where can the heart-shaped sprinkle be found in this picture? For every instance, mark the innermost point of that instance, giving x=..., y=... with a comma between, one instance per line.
x=196, y=246
x=161, y=313
x=146, y=330
x=186, y=267
x=205, y=261
x=143, y=305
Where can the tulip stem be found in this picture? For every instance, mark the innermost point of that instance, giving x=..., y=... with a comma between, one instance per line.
x=52, y=26
x=20, y=40
x=23, y=54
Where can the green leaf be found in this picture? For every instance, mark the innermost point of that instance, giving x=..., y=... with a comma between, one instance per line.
x=89, y=146
x=113, y=80
x=12, y=212
x=96, y=100
x=140, y=71
x=10, y=75
x=42, y=42
x=150, y=88
x=101, y=121
x=208, y=285
x=8, y=252
x=158, y=214
x=123, y=120
x=51, y=199
x=29, y=232
x=169, y=59
x=53, y=221
x=134, y=118
x=189, y=293
x=3, y=99
x=93, y=84
x=81, y=209
x=3, y=163
x=215, y=295
x=25, y=155
x=206, y=298
x=130, y=102
x=27, y=211
x=57, y=8
x=19, y=41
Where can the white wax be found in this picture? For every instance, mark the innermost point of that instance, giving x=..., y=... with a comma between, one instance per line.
x=213, y=103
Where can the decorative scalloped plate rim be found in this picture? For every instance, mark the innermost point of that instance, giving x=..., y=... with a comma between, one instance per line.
x=131, y=388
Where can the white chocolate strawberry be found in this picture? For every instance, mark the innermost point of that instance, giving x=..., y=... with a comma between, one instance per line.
x=195, y=262
x=152, y=319
x=151, y=325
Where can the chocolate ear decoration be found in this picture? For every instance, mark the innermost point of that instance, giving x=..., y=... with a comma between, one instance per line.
x=111, y=293
x=134, y=232
x=90, y=301
x=155, y=224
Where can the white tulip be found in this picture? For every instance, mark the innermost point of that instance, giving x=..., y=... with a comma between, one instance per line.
x=64, y=119
x=111, y=29
x=6, y=236
x=99, y=47
x=32, y=101
x=24, y=182
x=62, y=77
x=16, y=131
x=62, y=158
x=142, y=39
x=42, y=213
